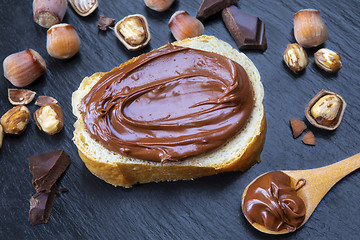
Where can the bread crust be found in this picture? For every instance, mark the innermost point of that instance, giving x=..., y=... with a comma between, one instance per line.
x=126, y=171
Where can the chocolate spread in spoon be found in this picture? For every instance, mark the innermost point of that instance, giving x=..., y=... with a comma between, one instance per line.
x=272, y=202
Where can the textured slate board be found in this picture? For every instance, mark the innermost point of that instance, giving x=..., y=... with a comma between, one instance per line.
x=206, y=208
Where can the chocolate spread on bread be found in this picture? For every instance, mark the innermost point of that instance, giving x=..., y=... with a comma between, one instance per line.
x=169, y=104
x=273, y=203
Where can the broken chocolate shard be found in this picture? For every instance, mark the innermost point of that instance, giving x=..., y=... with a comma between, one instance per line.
x=248, y=31
x=210, y=7
x=104, y=23
x=46, y=168
x=41, y=205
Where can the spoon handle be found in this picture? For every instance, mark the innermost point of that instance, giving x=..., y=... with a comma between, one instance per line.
x=330, y=174
x=320, y=180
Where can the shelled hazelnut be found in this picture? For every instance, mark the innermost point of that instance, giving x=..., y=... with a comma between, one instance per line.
x=182, y=25
x=133, y=31
x=22, y=68
x=325, y=110
x=50, y=12
x=15, y=120
x=328, y=60
x=49, y=118
x=84, y=7
x=62, y=41
x=295, y=57
x=309, y=28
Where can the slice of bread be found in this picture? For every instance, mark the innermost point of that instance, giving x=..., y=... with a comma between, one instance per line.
x=239, y=153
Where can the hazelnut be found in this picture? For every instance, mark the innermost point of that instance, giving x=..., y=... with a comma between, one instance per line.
x=62, y=41
x=24, y=67
x=133, y=31
x=50, y=12
x=159, y=5
x=328, y=60
x=309, y=28
x=182, y=25
x=84, y=7
x=325, y=110
x=20, y=96
x=15, y=120
x=295, y=57
x=49, y=118
x=1, y=135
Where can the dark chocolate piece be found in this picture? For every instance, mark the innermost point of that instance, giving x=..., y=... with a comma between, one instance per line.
x=41, y=205
x=46, y=168
x=104, y=23
x=248, y=31
x=210, y=7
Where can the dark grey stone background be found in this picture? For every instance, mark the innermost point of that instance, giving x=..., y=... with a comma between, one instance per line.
x=206, y=208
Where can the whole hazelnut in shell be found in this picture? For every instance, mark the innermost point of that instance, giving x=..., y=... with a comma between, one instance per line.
x=62, y=42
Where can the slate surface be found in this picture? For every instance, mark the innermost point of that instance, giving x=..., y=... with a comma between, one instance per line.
x=206, y=208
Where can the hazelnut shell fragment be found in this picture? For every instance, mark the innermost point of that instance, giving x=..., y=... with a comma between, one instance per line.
x=133, y=31
x=104, y=23
x=297, y=127
x=49, y=118
x=20, y=96
x=42, y=100
x=309, y=139
x=326, y=111
x=15, y=120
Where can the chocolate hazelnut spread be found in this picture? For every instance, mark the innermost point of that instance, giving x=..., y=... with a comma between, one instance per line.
x=169, y=104
x=273, y=203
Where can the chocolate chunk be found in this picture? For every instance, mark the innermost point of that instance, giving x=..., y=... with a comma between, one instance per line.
x=248, y=31
x=210, y=7
x=104, y=23
x=46, y=168
x=41, y=205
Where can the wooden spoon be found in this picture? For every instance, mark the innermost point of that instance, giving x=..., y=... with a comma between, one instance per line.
x=318, y=182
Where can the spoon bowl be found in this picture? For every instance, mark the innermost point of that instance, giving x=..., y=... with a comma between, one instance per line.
x=318, y=182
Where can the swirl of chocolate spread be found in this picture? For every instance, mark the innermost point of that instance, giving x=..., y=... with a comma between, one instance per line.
x=271, y=201
x=169, y=104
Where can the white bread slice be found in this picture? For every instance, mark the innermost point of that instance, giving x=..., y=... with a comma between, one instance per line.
x=239, y=153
